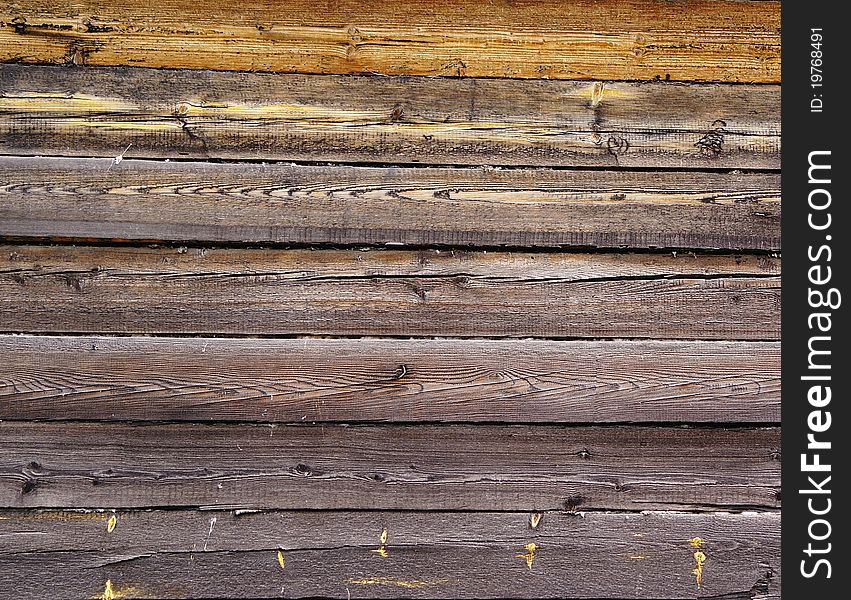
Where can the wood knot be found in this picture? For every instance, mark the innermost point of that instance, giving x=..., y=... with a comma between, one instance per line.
x=19, y=24
x=29, y=485
x=75, y=282
x=419, y=290
x=303, y=470
x=573, y=502
x=617, y=145
x=712, y=143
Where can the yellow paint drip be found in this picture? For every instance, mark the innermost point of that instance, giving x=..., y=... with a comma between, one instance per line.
x=696, y=542
x=111, y=523
x=393, y=581
x=529, y=556
x=382, y=548
x=111, y=593
x=637, y=557
x=699, y=559
x=108, y=594
x=281, y=560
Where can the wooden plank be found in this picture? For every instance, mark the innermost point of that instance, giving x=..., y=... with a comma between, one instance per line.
x=190, y=201
x=422, y=467
x=202, y=114
x=357, y=293
x=520, y=381
x=715, y=40
x=219, y=554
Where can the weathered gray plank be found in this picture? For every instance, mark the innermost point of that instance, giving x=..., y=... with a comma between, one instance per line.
x=140, y=113
x=132, y=290
x=188, y=201
x=190, y=554
x=485, y=467
x=201, y=379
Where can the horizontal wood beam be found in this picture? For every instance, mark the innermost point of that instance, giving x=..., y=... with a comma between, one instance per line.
x=396, y=293
x=425, y=467
x=95, y=199
x=325, y=380
x=140, y=113
x=223, y=554
x=707, y=40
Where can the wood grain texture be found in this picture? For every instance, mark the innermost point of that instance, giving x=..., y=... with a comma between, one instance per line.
x=220, y=554
x=357, y=293
x=190, y=201
x=216, y=115
x=422, y=467
x=707, y=40
x=203, y=379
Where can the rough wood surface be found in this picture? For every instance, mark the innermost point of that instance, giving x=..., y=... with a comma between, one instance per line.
x=565, y=384
x=448, y=467
x=190, y=201
x=204, y=114
x=525, y=381
x=714, y=40
x=220, y=554
x=428, y=293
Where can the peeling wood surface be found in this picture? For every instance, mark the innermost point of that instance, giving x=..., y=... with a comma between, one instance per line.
x=201, y=379
x=222, y=554
x=421, y=467
x=107, y=292
x=174, y=114
x=703, y=40
x=186, y=201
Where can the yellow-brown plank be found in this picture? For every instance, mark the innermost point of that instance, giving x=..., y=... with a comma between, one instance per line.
x=404, y=293
x=321, y=554
x=334, y=380
x=77, y=198
x=687, y=40
x=205, y=114
x=403, y=467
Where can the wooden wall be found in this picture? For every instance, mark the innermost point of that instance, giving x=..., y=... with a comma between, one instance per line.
x=405, y=299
